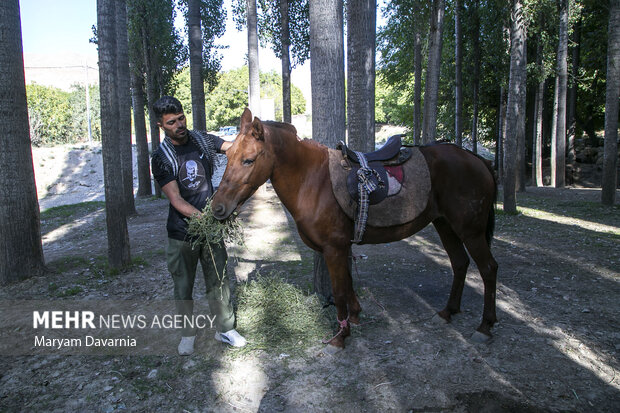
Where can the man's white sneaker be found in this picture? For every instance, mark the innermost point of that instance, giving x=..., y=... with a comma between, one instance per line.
x=186, y=346
x=231, y=337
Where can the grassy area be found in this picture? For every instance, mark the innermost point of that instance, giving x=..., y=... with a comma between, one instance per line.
x=71, y=210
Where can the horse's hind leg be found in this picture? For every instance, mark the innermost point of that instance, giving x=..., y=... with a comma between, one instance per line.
x=459, y=262
x=479, y=250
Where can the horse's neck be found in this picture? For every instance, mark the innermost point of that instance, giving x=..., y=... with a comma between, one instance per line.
x=295, y=170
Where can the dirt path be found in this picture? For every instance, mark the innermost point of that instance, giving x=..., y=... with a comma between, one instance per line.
x=555, y=348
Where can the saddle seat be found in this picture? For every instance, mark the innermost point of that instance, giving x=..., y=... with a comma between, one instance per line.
x=385, y=153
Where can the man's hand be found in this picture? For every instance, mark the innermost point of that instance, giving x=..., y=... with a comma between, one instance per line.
x=171, y=189
x=225, y=146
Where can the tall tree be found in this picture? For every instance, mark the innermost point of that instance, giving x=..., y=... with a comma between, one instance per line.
x=417, y=87
x=516, y=103
x=195, y=65
x=124, y=105
x=21, y=252
x=429, y=125
x=361, y=24
x=610, y=159
x=476, y=75
x=116, y=220
x=571, y=114
x=206, y=21
x=156, y=51
x=254, y=88
x=537, y=146
x=284, y=25
x=328, y=95
x=458, y=74
x=139, y=122
x=558, y=137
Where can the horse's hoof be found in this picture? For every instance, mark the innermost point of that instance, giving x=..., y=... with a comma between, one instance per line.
x=331, y=350
x=437, y=319
x=479, y=337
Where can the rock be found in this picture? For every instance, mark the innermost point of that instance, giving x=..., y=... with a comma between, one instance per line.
x=152, y=374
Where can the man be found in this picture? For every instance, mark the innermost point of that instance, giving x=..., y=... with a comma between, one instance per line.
x=183, y=166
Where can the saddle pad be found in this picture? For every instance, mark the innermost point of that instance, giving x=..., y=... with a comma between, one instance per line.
x=400, y=208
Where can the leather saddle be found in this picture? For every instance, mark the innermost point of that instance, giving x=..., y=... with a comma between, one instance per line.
x=391, y=154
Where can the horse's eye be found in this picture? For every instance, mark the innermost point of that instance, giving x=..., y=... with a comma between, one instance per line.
x=248, y=161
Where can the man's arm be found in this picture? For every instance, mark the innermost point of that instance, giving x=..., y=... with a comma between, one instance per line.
x=171, y=189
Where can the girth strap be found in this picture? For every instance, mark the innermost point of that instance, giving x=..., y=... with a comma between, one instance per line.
x=365, y=187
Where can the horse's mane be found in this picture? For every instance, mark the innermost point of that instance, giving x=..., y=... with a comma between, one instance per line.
x=280, y=125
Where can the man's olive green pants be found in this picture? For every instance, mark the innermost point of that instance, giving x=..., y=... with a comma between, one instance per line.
x=182, y=263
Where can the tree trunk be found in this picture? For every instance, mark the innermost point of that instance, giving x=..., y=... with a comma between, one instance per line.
x=476, y=41
x=537, y=139
x=139, y=122
x=572, y=93
x=458, y=68
x=558, y=157
x=21, y=253
x=429, y=122
x=328, y=95
x=499, y=142
x=361, y=15
x=199, y=116
x=254, y=100
x=417, y=87
x=124, y=106
x=116, y=221
x=286, y=63
x=610, y=159
x=151, y=97
x=515, y=105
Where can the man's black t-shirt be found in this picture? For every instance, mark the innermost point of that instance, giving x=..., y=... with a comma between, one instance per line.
x=194, y=180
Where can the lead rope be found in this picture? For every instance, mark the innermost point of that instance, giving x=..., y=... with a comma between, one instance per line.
x=365, y=187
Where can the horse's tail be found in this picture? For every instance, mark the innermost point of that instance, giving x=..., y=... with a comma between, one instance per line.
x=491, y=218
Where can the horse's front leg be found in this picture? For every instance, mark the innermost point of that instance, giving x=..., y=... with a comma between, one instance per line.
x=347, y=306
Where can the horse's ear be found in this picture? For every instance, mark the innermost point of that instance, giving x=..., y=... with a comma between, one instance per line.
x=246, y=120
x=258, y=131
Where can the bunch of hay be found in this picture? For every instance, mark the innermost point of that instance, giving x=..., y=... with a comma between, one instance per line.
x=204, y=228
x=278, y=317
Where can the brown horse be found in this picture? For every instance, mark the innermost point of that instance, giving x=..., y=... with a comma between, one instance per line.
x=461, y=207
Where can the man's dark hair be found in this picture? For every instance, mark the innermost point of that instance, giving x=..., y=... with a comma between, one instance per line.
x=165, y=105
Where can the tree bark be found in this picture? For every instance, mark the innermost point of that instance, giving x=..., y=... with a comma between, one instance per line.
x=361, y=15
x=476, y=91
x=558, y=156
x=151, y=97
x=499, y=143
x=417, y=87
x=116, y=221
x=286, y=62
x=515, y=105
x=610, y=157
x=458, y=76
x=21, y=252
x=429, y=121
x=124, y=106
x=139, y=122
x=328, y=95
x=199, y=116
x=254, y=98
x=571, y=117
x=537, y=175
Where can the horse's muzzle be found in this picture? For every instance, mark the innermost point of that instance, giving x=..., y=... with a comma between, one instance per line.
x=219, y=212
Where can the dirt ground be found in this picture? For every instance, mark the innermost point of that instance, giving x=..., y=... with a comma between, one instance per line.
x=555, y=348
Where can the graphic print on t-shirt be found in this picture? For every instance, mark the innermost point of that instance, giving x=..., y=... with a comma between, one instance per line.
x=192, y=174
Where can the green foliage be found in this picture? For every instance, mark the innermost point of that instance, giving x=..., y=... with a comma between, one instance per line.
x=58, y=117
x=227, y=101
x=205, y=229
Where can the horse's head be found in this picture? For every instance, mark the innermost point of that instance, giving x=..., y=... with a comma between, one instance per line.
x=249, y=166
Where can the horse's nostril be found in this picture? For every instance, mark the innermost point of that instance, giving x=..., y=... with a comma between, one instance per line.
x=219, y=210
